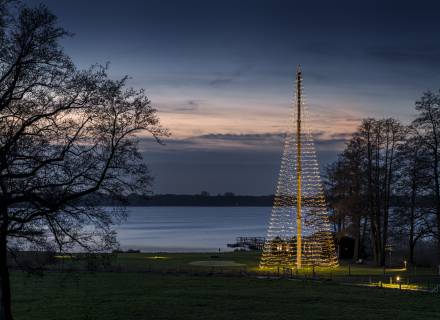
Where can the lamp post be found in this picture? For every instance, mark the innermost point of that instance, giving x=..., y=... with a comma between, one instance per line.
x=398, y=281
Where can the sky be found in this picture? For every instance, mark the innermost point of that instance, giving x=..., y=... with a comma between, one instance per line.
x=221, y=74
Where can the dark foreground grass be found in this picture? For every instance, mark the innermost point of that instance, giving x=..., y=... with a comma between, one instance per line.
x=131, y=296
x=143, y=261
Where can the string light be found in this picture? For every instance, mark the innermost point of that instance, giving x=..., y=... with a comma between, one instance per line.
x=299, y=233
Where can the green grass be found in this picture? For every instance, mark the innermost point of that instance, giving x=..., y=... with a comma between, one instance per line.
x=249, y=260
x=179, y=286
x=216, y=263
x=181, y=260
x=130, y=296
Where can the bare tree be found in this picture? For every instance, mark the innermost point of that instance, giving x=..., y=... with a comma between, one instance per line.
x=64, y=135
x=412, y=181
x=345, y=181
x=366, y=172
x=394, y=135
x=427, y=125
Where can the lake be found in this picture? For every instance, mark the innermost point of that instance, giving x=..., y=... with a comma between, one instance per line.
x=180, y=229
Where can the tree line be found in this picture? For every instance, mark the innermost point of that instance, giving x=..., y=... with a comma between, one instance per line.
x=384, y=188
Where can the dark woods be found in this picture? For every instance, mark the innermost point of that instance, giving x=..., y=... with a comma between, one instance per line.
x=384, y=187
x=64, y=134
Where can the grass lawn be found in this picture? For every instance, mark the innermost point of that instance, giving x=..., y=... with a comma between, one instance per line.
x=208, y=286
x=247, y=260
x=129, y=296
x=164, y=261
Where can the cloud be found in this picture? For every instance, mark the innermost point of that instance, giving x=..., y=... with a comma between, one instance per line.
x=241, y=163
x=221, y=81
x=224, y=79
x=243, y=137
x=262, y=142
x=420, y=55
x=326, y=136
x=219, y=142
x=189, y=105
x=322, y=49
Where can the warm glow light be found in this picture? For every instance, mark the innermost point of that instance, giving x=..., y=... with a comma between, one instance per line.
x=299, y=223
x=401, y=286
x=157, y=257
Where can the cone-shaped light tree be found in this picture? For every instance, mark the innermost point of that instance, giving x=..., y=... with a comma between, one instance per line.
x=299, y=233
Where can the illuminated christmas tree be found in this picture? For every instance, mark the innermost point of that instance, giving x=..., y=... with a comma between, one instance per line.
x=299, y=233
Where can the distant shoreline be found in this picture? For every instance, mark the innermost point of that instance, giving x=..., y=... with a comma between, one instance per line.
x=206, y=200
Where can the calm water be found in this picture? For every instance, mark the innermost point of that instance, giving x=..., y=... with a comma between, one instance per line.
x=177, y=229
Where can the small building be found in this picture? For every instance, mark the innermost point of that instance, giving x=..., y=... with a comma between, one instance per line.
x=345, y=247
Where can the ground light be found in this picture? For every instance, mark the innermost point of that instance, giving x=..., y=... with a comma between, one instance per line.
x=157, y=257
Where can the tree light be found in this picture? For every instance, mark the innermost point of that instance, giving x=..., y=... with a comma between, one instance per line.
x=299, y=233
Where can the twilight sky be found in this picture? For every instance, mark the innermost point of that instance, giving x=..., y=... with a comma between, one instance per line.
x=221, y=73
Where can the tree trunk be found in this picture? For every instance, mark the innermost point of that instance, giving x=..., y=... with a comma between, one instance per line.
x=357, y=239
x=384, y=228
x=411, y=236
x=411, y=253
x=438, y=228
x=5, y=287
x=412, y=214
x=378, y=196
x=435, y=150
x=371, y=207
x=363, y=236
x=411, y=239
x=437, y=198
x=388, y=182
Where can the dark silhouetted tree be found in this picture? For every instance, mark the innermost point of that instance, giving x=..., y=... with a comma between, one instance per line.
x=345, y=187
x=64, y=135
x=361, y=182
x=413, y=219
x=427, y=125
